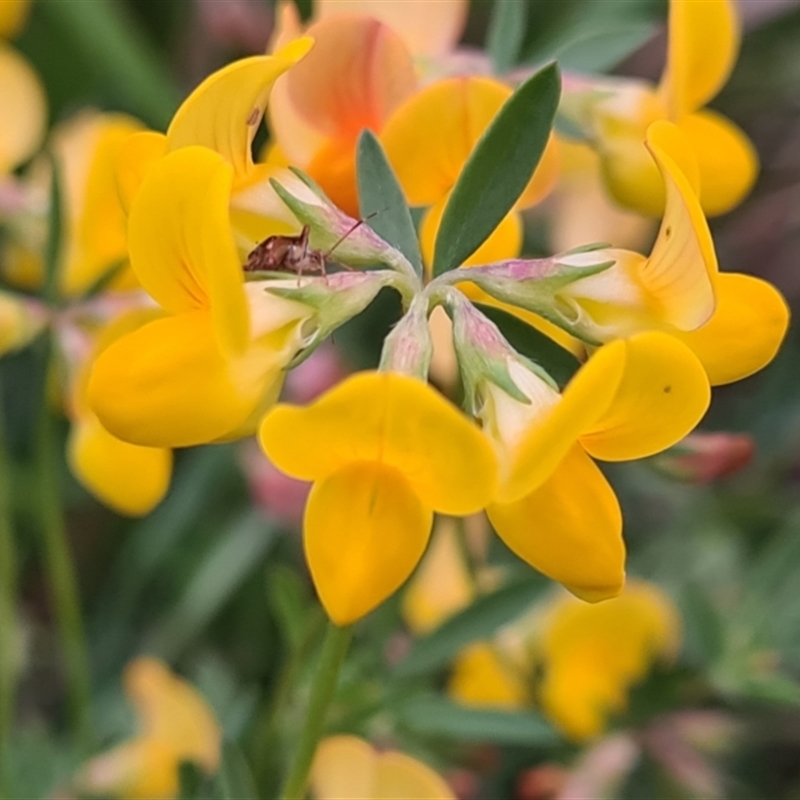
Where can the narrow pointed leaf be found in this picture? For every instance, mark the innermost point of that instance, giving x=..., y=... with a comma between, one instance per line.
x=381, y=199
x=506, y=33
x=498, y=170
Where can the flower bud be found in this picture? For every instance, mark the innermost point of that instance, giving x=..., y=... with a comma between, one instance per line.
x=408, y=349
x=706, y=457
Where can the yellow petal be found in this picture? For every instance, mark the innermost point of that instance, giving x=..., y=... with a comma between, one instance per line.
x=746, y=331
x=168, y=385
x=141, y=769
x=133, y=161
x=348, y=768
x=442, y=585
x=23, y=112
x=99, y=240
x=569, y=528
x=21, y=321
x=181, y=243
x=172, y=711
x=430, y=137
x=727, y=160
x=365, y=529
x=544, y=178
x=551, y=435
x=481, y=677
x=393, y=419
x=130, y=479
x=663, y=394
x=703, y=42
x=592, y=654
x=13, y=14
x=428, y=29
x=225, y=110
x=679, y=272
x=505, y=241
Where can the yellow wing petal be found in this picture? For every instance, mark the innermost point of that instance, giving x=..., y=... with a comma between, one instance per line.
x=746, y=331
x=663, y=394
x=397, y=421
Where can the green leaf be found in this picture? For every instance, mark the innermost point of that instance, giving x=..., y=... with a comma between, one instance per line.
x=381, y=198
x=481, y=620
x=498, y=170
x=705, y=628
x=234, y=781
x=506, y=33
x=225, y=567
x=557, y=362
x=435, y=716
x=289, y=602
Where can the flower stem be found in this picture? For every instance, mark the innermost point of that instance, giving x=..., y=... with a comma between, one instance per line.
x=61, y=571
x=8, y=622
x=334, y=650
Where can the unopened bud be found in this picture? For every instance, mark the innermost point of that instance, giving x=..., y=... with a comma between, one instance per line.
x=706, y=457
x=408, y=349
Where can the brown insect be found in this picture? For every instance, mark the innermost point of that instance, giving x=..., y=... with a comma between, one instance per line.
x=293, y=254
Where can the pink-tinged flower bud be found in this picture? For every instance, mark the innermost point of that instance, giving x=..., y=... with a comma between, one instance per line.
x=321, y=371
x=408, y=349
x=339, y=236
x=706, y=457
x=540, y=783
x=275, y=494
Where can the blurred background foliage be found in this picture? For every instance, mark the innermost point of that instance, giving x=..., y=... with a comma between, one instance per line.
x=218, y=589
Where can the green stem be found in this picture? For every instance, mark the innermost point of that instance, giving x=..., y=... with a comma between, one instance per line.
x=8, y=622
x=334, y=650
x=61, y=572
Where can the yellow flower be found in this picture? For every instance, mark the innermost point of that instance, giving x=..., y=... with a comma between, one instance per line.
x=442, y=585
x=734, y=323
x=554, y=509
x=207, y=370
x=429, y=139
x=384, y=451
x=176, y=725
x=587, y=658
x=23, y=112
x=357, y=74
x=126, y=477
x=94, y=235
x=591, y=655
x=348, y=768
x=703, y=41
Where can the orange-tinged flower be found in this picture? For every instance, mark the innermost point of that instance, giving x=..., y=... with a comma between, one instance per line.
x=176, y=725
x=429, y=139
x=384, y=451
x=357, y=74
x=207, y=370
x=703, y=40
x=348, y=768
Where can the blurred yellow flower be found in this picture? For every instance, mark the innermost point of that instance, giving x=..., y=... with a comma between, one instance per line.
x=384, y=451
x=13, y=14
x=703, y=40
x=348, y=768
x=94, y=229
x=209, y=368
x=176, y=725
x=576, y=661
